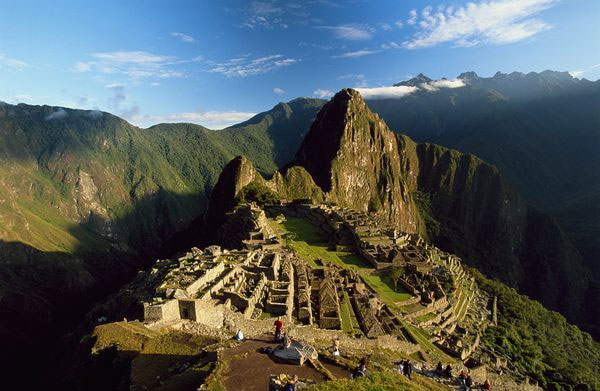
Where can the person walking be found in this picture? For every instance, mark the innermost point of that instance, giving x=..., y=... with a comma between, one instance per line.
x=407, y=369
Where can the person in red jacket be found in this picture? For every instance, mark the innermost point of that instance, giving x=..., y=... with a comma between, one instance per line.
x=278, y=328
x=487, y=385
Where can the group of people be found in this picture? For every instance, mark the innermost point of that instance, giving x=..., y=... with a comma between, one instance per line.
x=464, y=379
x=280, y=335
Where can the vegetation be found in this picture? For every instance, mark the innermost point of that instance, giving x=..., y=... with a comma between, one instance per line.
x=540, y=342
x=424, y=204
x=383, y=381
x=258, y=193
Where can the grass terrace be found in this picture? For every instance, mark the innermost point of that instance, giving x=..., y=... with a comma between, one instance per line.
x=310, y=244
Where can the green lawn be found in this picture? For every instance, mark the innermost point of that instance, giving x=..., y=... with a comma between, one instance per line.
x=311, y=245
x=426, y=317
x=383, y=286
x=430, y=348
x=345, y=315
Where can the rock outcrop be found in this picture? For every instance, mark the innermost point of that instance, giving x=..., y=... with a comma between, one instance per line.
x=237, y=174
x=353, y=157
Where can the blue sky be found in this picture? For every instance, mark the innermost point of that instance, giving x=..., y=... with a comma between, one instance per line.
x=218, y=62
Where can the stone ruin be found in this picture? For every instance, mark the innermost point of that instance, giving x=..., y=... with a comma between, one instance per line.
x=258, y=277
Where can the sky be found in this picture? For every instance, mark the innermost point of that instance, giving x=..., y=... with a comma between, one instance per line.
x=216, y=63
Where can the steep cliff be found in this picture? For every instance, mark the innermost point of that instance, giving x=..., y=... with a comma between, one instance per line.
x=353, y=157
x=481, y=217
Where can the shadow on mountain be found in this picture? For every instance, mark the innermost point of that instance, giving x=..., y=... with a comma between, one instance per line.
x=113, y=369
x=44, y=295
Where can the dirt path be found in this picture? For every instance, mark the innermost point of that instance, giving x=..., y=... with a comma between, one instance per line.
x=249, y=370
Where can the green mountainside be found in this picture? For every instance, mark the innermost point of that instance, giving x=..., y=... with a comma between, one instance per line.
x=540, y=129
x=86, y=200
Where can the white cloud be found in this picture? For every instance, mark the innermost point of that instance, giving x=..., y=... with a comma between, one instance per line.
x=278, y=91
x=397, y=92
x=412, y=17
x=577, y=73
x=351, y=32
x=136, y=57
x=208, y=119
x=484, y=22
x=358, y=53
x=435, y=85
x=399, y=24
x=60, y=113
x=320, y=93
x=386, y=92
x=245, y=66
x=134, y=64
x=385, y=27
x=184, y=37
x=13, y=62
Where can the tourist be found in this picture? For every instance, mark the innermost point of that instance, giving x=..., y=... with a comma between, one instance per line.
x=468, y=382
x=486, y=385
x=439, y=369
x=336, y=347
x=407, y=369
x=239, y=335
x=462, y=377
x=278, y=328
x=401, y=366
x=287, y=341
x=448, y=372
x=360, y=370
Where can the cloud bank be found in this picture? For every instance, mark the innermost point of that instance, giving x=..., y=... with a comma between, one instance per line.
x=60, y=113
x=397, y=92
x=375, y=93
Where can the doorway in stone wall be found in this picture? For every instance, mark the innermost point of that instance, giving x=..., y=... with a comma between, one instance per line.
x=187, y=309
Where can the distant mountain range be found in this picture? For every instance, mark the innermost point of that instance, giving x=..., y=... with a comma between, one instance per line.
x=86, y=199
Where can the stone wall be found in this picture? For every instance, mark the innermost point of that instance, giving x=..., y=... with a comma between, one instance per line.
x=208, y=277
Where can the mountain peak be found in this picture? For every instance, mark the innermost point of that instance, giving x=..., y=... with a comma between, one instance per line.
x=415, y=81
x=468, y=76
x=353, y=157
